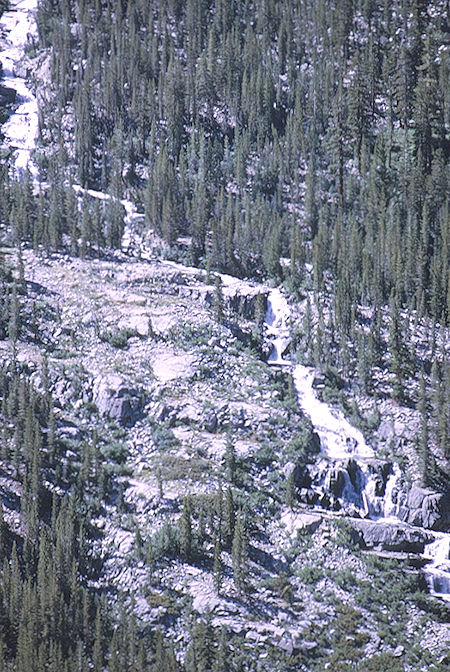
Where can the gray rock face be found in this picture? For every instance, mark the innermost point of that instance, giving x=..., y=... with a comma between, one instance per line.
x=7, y=95
x=314, y=443
x=381, y=471
x=116, y=400
x=352, y=469
x=308, y=496
x=244, y=304
x=210, y=421
x=336, y=482
x=388, y=537
x=302, y=477
x=416, y=496
x=428, y=508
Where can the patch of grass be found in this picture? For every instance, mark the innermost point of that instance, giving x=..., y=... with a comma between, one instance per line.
x=280, y=585
x=62, y=353
x=345, y=579
x=188, y=336
x=177, y=468
x=439, y=611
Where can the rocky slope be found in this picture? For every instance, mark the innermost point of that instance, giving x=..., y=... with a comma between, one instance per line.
x=187, y=411
x=224, y=506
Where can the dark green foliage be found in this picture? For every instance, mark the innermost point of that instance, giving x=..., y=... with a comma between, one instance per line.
x=240, y=554
x=217, y=566
x=290, y=494
x=163, y=437
x=347, y=536
x=185, y=525
x=218, y=301
x=118, y=338
x=221, y=137
x=49, y=610
x=230, y=461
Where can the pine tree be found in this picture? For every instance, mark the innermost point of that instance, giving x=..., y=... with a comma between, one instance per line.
x=221, y=663
x=290, y=490
x=398, y=353
x=230, y=461
x=240, y=555
x=229, y=519
x=218, y=566
x=2, y=534
x=423, y=439
x=97, y=655
x=186, y=530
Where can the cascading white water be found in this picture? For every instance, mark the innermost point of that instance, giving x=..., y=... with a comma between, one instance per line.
x=340, y=441
x=21, y=129
x=276, y=321
x=390, y=501
x=343, y=443
x=338, y=438
x=438, y=572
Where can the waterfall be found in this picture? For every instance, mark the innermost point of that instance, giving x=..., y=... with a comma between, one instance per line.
x=353, y=477
x=22, y=128
x=338, y=438
x=276, y=321
x=438, y=571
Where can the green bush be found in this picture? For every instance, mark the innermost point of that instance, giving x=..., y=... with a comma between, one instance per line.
x=118, y=338
x=164, y=438
x=310, y=574
x=347, y=536
x=114, y=452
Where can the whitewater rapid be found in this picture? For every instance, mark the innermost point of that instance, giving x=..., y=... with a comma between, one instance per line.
x=17, y=28
x=338, y=438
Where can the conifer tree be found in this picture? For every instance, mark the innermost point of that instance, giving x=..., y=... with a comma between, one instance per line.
x=230, y=461
x=229, y=519
x=218, y=566
x=290, y=490
x=186, y=530
x=240, y=555
x=218, y=301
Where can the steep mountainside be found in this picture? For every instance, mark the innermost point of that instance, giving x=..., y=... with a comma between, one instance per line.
x=224, y=333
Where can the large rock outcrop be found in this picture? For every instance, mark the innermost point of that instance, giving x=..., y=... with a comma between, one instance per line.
x=391, y=537
x=428, y=508
x=117, y=400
